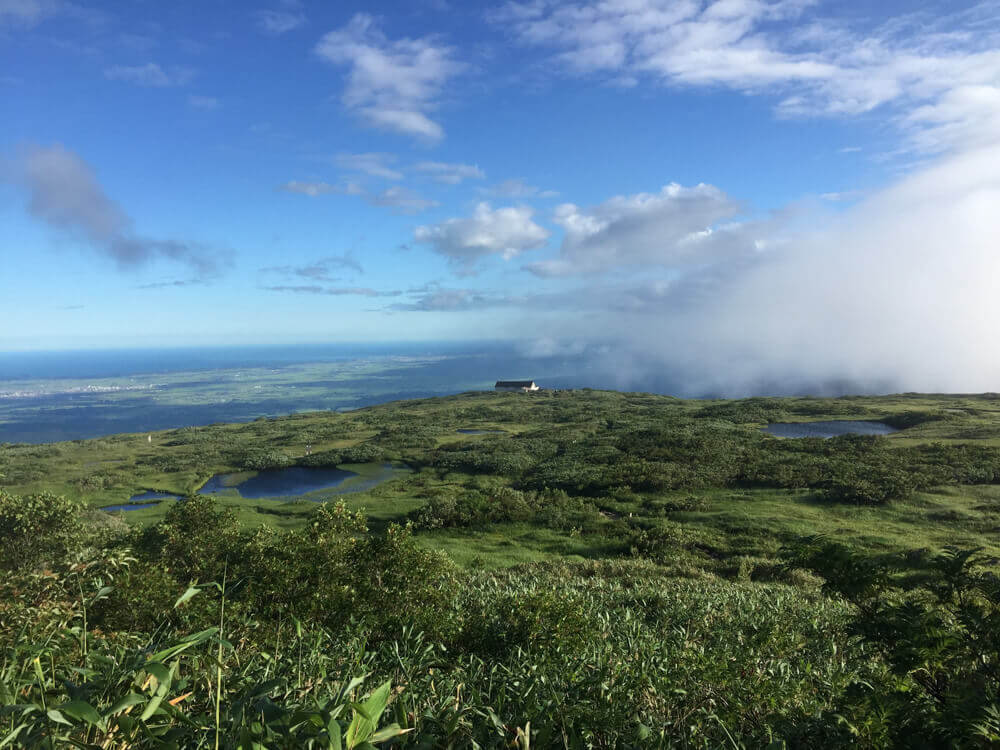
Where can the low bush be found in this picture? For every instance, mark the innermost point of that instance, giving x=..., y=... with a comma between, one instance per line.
x=38, y=529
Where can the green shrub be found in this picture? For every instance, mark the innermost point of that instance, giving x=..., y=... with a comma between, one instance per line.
x=37, y=529
x=941, y=641
x=197, y=539
x=262, y=460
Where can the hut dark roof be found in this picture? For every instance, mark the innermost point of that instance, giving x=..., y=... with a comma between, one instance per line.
x=514, y=384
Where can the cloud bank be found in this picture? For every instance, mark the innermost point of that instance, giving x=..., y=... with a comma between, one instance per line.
x=898, y=292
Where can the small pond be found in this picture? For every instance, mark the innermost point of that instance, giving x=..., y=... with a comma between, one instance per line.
x=480, y=432
x=280, y=484
x=290, y=482
x=296, y=481
x=142, y=500
x=828, y=429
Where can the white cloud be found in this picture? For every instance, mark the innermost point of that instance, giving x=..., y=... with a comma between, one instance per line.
x=939, y=74
x=392, y=84
x=150, y=74
x=504, y=231
x=678, y=225
x=371, y=163
x=406, y=121
x=450, y=174
x=898, y=290
x=967, y=115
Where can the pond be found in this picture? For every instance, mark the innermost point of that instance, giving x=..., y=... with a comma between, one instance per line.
x=290, y=482
x=828, y=429
x=296, y=481
x=142, y=500
x=281, y=484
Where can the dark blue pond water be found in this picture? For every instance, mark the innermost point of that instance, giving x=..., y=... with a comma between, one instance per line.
x=148, y=497
x=290, y=482
x=481, y=432
x=828, y=429
x=142, y=500
x=126, y=506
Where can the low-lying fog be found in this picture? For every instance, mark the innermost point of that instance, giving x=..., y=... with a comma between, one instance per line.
x=900, y=292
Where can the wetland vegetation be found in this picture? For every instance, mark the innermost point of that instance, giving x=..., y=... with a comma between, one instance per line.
x=586, y=569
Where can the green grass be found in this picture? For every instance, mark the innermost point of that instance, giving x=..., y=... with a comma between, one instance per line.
x=741, y=521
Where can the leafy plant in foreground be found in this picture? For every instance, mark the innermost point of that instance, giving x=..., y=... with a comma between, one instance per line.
x=941, y=640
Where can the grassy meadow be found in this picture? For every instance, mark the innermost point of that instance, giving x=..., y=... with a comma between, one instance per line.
x=597, y=569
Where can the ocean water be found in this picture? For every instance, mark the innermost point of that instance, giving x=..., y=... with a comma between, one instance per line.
x=107, y=363
x=54, y=396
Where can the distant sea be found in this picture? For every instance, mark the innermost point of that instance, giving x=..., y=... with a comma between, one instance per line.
x=105, y=363
x=72, y=395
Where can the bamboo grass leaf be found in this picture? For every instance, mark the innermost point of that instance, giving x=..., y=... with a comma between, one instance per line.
x=82, y=711
x=161, y=691
x=187, y=596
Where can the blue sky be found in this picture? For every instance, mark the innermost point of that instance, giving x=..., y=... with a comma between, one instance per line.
x=558, y=172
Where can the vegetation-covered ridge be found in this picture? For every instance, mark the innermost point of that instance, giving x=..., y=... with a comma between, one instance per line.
x=598, y=569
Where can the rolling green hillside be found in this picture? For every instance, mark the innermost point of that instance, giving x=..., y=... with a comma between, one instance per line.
x=588, y=569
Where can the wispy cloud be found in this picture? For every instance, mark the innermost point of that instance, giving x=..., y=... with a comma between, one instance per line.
x=450, y=174
x=517, y=188
x=151, y=74
x=939, y=74
x=320, y=270
x=315, y=188
x=173, y=284
x=436, y=298
x=63, y=192
x=280, y=21
x=27, y=12
x=391, y=84
x=375, y=164
x=315, y=289
x=399, y=199
x=30, y=13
